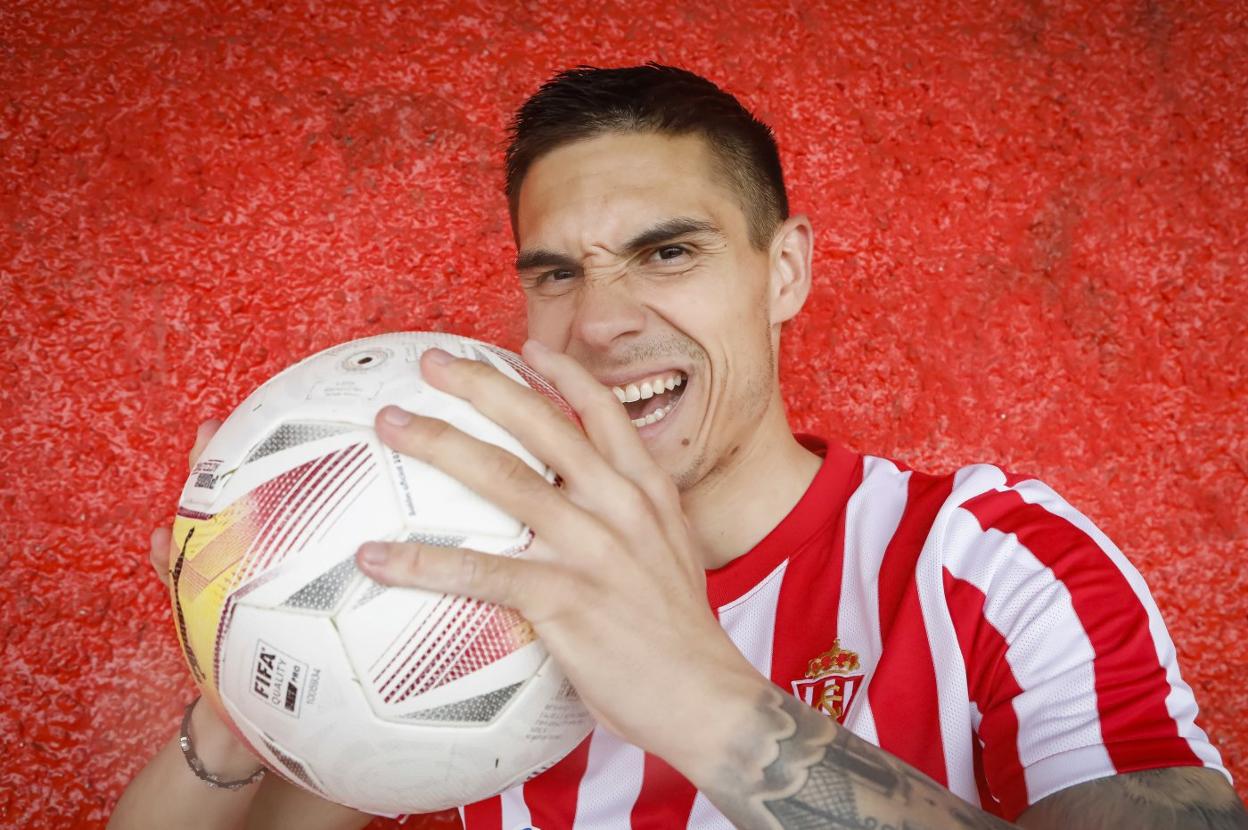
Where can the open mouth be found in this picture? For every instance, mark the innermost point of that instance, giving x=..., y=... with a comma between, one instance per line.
x=650, y=401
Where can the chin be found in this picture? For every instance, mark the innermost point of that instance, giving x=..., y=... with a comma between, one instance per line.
x=685, y=472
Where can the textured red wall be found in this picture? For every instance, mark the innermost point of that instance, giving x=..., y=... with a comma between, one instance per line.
x=1031, y=250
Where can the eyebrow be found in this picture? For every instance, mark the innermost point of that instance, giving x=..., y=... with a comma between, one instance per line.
x=654, y=235
x=543, y=258
x=669, y=229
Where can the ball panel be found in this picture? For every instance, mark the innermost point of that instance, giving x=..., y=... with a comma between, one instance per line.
x=338, y=505
x=296, y=771
x=550, y=721
x=481, y=708
x=432, y=502
x=497, y=633
x=293, y=434
x=326, y=593
x=278, y=685
x=436, y=640
x=321, y=497
x=356, y=758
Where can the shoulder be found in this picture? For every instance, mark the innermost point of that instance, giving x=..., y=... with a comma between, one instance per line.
x=1001, y=526
x=1065, y=655
x=984, y=530
x=944, y=504
x=981, y=517
x=984, y=526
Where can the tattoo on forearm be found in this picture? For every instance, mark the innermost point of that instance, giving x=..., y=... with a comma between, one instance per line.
x=818, y=775
x=1157, y=799
x=797, y=770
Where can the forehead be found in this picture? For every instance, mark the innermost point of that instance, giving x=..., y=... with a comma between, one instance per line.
x=606, y=188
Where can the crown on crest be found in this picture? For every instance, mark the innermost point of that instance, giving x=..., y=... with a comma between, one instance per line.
x=835, y=659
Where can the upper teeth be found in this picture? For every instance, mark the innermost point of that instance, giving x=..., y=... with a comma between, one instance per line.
x=648, y=388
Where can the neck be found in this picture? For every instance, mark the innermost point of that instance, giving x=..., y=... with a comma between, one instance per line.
x=739, y=502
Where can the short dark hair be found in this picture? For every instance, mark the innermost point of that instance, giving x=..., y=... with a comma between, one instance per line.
x=588, y=101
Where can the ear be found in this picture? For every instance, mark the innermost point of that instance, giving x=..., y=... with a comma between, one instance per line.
x=791, y=247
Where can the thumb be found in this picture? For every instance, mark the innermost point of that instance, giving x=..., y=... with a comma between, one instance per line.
x=158, y=555
x=203, y=435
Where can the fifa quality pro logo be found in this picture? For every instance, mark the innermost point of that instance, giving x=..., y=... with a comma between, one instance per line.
x=278, y=679
x=831, y=681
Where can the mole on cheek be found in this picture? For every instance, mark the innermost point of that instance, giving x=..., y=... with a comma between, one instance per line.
x=684, y=442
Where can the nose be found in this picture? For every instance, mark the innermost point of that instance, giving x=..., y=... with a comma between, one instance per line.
x=605, y=311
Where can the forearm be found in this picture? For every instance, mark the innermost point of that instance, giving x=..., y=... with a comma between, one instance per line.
x=775, y=763
x=787, y=766
x=166, y=793
x=1173, y=798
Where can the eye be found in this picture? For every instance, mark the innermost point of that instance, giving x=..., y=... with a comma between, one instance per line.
x=558, y=275
x=670, y=252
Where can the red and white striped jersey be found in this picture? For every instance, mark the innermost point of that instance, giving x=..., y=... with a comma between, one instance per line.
x=975, y=625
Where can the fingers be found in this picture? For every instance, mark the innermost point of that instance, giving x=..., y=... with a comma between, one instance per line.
x=490, y=471
x=203, y=435
x=607, y=469
x=606, y=422
x=161, y=547
x=528, y=415
x=524, y=585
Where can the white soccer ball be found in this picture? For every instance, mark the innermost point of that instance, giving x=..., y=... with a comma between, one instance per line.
x=389, y=700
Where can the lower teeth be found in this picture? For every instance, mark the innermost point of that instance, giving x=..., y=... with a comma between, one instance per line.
x=654, y=417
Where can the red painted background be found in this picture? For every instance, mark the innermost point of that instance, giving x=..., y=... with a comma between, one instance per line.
x=1031, y=250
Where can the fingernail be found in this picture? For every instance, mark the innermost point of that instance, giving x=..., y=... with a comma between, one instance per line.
x=439, y=357
x=395, y=415
x=373, y=554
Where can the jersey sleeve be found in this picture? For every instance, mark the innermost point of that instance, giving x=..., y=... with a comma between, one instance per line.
x=1071, y=673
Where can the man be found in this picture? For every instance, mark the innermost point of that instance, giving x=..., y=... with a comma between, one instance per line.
x=999, y=649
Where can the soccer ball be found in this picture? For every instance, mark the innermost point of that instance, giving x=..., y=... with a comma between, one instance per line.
x=389, y=700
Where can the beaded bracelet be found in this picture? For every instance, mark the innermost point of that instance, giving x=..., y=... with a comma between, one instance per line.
x=197, y=766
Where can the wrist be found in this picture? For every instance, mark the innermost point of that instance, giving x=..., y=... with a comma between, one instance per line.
x=220, y=751
x=713, y=722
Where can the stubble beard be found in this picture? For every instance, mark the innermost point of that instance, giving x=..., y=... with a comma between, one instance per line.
x=704, y=468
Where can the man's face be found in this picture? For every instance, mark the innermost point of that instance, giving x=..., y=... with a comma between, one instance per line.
x=635, y=259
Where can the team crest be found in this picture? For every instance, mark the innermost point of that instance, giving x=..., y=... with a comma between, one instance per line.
x=831, y=681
